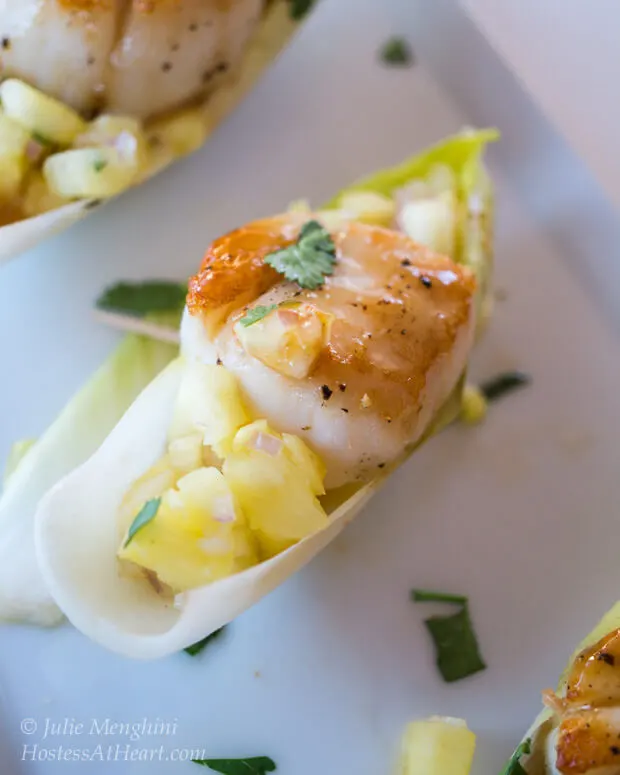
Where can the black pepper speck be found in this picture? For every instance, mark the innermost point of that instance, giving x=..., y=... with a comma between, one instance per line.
x=615, y=750
x=346, y=411
x=166, y=67
x=342, y=386
x=6, y=43
x=405, y=262
x=218, y=362
x=426, y=281
x=193, y=27
x=608, y=659
x=326, y=392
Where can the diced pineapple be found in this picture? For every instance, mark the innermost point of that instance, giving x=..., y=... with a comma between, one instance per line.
x=437, y=746
x=40, y=114
x=185, y=453
x=85, y=173
x=288, y=340
x=121, y=132
x=38, y=197
x=274, y=481
x=170, y=138
x=208, y=402
x=11, y=176
x=159, y=478
x=369, y=207
x=431, y=221
x=13, y=138
x=197, y=536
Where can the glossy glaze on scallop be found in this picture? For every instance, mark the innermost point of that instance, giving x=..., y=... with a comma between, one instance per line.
x=400, y=332
x=136, y=57
x=587, y=739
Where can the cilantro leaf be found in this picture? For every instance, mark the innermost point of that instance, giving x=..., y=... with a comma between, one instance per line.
x=256, y=765
x=143, y=517
x=513, y=765
x=457, y=652
x=196, y=648
x=396, y=51
x=426, y=596
x=256, y=313
x=99, y=165
x=498, y=386
x=309, y=260
x=143, y=298
x=299, y=8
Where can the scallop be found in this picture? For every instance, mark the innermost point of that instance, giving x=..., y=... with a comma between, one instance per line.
x=137, y=57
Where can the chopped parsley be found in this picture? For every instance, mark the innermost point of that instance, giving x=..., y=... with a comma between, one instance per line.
x=99, y=165
x=299, y=8
x=504, y=383
x=396, y=51
x=256, y=313
x=513, y=766
x=256, y=765
x=143, y=298
x=309, y=260
x=196, y=648
x=456, y=646
x=143, y=517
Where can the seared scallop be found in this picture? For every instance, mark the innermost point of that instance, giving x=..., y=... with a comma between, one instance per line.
x=137, y=57
x=358, y=367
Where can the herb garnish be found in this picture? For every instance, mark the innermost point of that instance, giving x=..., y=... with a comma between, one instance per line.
x=196, y=648
x=99, y=165
x=143, y=517
x=256, y=313
x=504, y=383
x=143, y=298
x=256, y=765
x=299, y=8
x=308, y=260
x=39, y=138
x=513, y=766
x=456, y=647
x=396, y=51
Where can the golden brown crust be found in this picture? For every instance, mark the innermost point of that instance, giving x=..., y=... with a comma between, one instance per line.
x=397, y=307
x=589, y=731
x=586, y=743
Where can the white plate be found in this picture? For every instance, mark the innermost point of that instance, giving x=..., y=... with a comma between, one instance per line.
x=519, y=513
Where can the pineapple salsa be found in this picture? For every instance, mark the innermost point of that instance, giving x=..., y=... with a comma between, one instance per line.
x=229, y=492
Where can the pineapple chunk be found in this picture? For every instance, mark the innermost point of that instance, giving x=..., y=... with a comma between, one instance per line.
x=39, y=113
x=38, y=197
x=186, y=453
x=84, y=173
x=13, y=138
x=197, y=536
x=288, y=340
x=208, y=402
x=159, y=478
x=276, y=480
x=369, y=207
x=437, y=746
x=11, y=176
x=121, y=132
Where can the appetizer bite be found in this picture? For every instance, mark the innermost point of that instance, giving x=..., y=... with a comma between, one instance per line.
x=285, y=383
x=314, y=357
x=97, y=97
x=578, y=732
